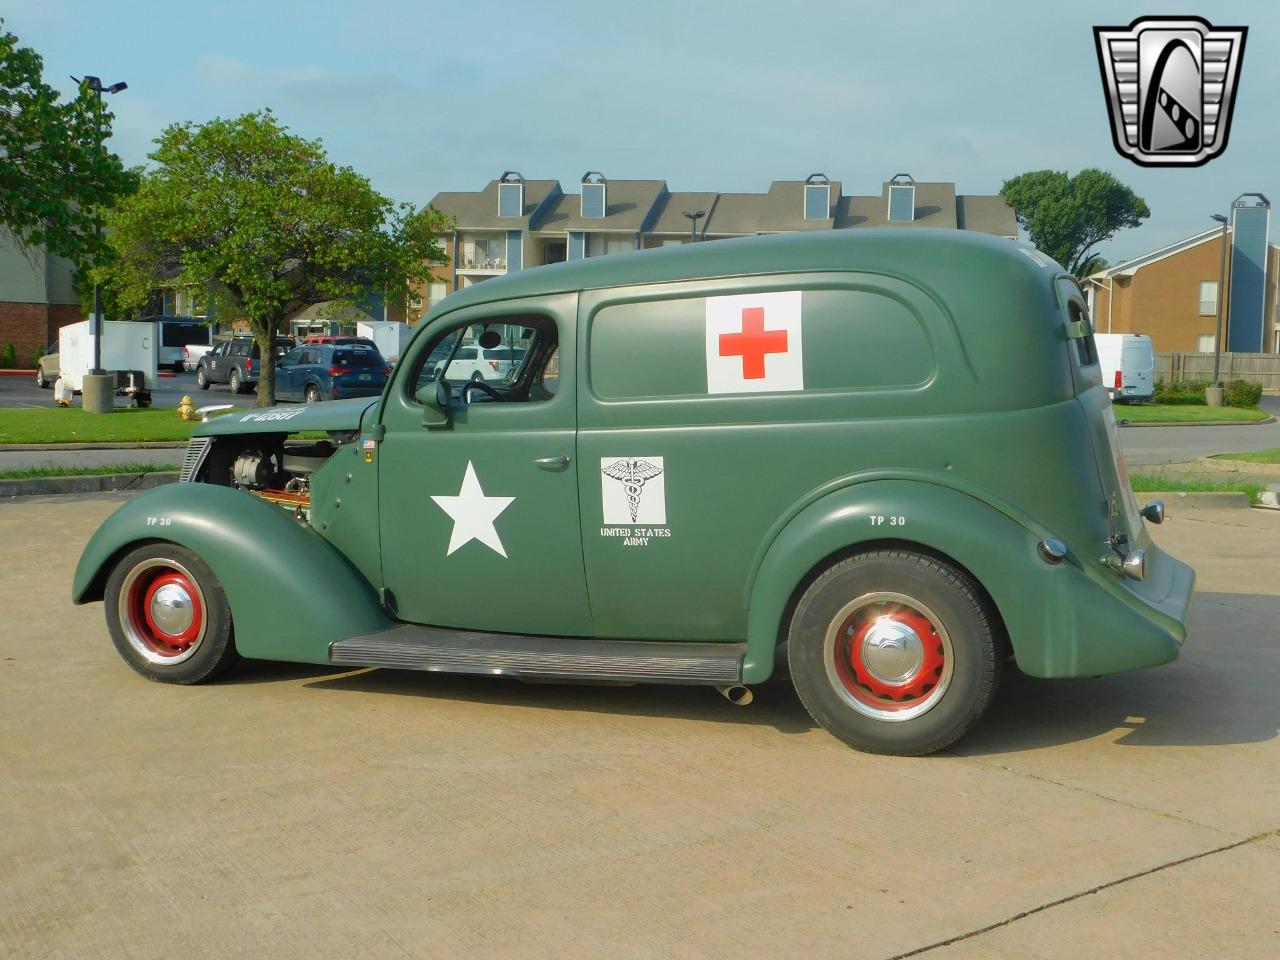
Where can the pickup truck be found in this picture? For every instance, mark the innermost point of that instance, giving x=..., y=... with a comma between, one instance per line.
x=192, y=353
x=236, y=363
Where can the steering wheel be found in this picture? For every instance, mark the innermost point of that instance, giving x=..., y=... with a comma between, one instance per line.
x=483, y=388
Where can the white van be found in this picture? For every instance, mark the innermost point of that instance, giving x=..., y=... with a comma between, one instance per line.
x=1128, y=364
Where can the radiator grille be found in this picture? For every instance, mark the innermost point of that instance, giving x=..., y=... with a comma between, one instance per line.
x=197, y=450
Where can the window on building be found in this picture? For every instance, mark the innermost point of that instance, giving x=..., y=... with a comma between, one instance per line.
x=817, y=201
x=511, y=195
x=1208, y=297
x=593, y=195
x=484, y=253
x=599, y=245
x=1204, y=344
x=436, y=292
x=902, y=203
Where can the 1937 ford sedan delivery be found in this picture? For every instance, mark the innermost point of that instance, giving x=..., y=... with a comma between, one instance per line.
x=888, y=450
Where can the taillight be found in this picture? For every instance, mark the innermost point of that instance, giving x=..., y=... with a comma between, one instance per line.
x=1119, y=381
x=494, y=364
x=386, y=371
x=338, y=371
x=248, y=364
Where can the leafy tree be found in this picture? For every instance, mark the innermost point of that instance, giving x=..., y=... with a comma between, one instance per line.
x=264, y=220
x=54, y=172
x=1066, y=217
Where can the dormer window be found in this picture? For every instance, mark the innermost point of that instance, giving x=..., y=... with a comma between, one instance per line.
x=594, y=187
x=511, y=195
x=817, y=197
x=902, y=198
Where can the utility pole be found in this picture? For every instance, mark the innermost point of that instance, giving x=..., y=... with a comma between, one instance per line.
x=1213, y=394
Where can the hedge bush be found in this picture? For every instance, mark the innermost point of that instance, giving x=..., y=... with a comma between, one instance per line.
x=8, y=357
x=1185, y=392
x=1242, y=393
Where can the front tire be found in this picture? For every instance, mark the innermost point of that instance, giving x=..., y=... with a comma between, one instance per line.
x=313, y=393
x=41, y=381
x=894, y=651
x=168, y=615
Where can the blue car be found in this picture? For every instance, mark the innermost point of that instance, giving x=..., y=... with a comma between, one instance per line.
x=323, y=371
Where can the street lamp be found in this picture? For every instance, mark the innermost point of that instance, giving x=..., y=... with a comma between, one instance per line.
x=95, y=327
x=1222, y=278
x=693, y=223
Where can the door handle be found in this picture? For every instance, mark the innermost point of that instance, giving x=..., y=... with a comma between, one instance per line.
x=553, y=461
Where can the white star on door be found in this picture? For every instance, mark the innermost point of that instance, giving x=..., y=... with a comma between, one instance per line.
x=473, y=514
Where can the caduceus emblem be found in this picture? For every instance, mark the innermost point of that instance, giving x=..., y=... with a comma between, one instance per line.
x=632, y=474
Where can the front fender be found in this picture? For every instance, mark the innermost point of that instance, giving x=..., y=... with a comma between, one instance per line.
x=291, y=592
x=1063, y=620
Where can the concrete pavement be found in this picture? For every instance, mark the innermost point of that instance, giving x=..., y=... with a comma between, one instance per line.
x=304, y=812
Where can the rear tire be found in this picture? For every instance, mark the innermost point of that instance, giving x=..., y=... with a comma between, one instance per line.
x=202, y=378
x=894, y=651
x=234, y=383
x=313, y=393
x=168, y=615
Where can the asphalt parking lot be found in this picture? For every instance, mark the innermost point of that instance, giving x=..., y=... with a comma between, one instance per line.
x=304, y=812
x=23, y=392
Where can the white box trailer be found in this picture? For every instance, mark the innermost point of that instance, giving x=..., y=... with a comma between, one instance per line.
x=391, y=336
x=129, y=350
x=1128, y=363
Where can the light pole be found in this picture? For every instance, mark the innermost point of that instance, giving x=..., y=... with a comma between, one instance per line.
x=97, y=395
x=1217, y=336
x=693, y=223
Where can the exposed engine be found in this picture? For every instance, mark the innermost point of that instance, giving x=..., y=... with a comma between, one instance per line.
x=281, y=471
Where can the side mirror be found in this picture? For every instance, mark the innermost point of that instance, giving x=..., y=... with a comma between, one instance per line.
x=435, y=398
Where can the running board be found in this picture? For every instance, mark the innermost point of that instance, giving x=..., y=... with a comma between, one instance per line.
x=438, y=649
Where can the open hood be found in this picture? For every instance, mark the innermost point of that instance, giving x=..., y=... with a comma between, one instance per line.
x=291, y=418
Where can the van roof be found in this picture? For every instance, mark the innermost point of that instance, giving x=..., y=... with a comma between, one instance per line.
x=922, y=256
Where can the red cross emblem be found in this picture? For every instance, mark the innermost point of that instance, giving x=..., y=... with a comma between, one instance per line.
x=753, y=343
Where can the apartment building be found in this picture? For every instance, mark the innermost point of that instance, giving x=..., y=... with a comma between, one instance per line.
x=514, y=223
x=37, y=296
x=1171, y=294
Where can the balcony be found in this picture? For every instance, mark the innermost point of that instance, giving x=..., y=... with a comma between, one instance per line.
x=483, y=266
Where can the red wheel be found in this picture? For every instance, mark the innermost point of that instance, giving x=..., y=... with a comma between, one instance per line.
x=888, y=656
x=163, y=611
x=168, y=615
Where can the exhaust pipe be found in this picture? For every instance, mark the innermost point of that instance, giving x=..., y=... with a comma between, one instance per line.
x=736, y=694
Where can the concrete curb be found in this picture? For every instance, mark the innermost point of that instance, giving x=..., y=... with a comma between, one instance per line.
x=1222, y=465
x=1204, y=423
x=113, y=445
x=1206, y=498
x=98, y=483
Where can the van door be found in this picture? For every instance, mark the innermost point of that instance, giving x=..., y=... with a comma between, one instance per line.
x=1138, y=366
x=479, y=516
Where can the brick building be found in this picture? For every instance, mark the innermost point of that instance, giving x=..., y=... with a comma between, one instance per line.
x=1171, y=294
x=37, y=296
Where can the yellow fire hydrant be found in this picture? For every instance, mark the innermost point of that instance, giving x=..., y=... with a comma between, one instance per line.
x=186, y=409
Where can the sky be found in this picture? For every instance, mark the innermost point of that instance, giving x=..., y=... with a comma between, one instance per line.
x=707, y=95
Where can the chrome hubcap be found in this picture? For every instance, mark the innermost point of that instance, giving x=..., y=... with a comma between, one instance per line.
x=892, y=652
x=171, y=609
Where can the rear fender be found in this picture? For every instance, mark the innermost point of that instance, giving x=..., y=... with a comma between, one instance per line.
x=291, y=592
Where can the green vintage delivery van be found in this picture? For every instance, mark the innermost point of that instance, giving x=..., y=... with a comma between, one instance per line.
x=887, y=453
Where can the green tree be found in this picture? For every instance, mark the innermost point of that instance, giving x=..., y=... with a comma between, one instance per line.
x=263, y=219
x=1066, y=217
x=54, y=172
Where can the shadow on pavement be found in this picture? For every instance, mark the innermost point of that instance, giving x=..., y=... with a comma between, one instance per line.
x=1221, y=690
x=775, y=702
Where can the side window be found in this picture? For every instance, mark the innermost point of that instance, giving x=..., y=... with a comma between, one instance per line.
x=510, y=359
x=291, y=358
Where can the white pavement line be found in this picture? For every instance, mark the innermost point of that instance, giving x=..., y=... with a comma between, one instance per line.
x=1265, y=835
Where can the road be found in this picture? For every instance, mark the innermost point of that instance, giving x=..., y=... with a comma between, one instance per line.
x=305, y=812
x=23, y=392
x=1151, y=445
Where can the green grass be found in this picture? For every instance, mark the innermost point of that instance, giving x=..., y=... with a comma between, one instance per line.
x=1257, y=456
x=32, y=473
x=1182, y=413
x=1154, y=483
x=73, y=425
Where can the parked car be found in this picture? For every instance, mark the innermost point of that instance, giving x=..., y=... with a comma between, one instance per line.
x=47, y=367
x=891, y=450
x=191, y=354
x=335, y=339
x=236, y=362
x=1128, y=363
x=322, y=371
x=474, y=362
